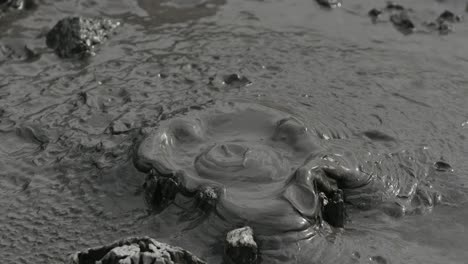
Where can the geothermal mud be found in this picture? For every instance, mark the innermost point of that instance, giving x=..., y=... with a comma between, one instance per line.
x=366, y=95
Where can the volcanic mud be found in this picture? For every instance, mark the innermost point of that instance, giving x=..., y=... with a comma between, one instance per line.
x=263, y=167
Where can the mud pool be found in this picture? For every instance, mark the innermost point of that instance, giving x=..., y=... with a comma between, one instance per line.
x=69, y=127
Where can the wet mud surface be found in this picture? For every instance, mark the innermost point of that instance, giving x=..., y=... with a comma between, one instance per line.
x=72, y=129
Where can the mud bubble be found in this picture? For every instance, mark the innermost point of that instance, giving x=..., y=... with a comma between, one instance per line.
x=264, y=167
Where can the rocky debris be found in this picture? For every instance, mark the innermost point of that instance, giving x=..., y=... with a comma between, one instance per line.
x=78, y=36
x=329, y=3
x=240, y=246
x=141, y=250
x=334, y=212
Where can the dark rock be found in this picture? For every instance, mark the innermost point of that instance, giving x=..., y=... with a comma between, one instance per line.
x=329, y=3
x=236, y=80
x=402, y=22
x=449, y=16
x=78, y=36
x=241, y=247
x=374, y=12
x=142, y=250
x=160, y=191
x=334, y=211
x=393, y=6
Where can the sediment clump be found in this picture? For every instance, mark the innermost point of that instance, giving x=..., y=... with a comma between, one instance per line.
x=141, y=250
x=79, y=36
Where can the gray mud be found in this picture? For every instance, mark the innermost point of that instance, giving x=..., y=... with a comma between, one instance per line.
x=69, y=127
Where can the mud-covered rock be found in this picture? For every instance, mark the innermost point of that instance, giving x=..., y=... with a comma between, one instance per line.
x=240, y=246
x=330, y=3
x=403, y=22
x=141, y=250
x=207, y=197
x=78, y=36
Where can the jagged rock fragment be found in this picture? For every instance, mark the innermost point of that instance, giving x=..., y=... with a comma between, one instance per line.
x=241, y=247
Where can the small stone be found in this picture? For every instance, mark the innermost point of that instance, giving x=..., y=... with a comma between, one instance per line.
x=207, y=197
x=329, y=3
x=78, y=36
x=240, y=247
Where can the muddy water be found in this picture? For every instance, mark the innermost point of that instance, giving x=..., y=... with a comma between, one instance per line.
x=69, y=127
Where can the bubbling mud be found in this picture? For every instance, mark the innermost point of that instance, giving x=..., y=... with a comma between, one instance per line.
x=264, y=167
